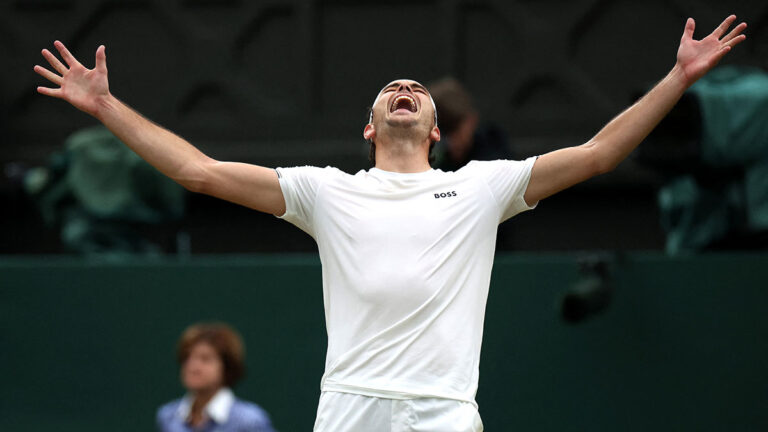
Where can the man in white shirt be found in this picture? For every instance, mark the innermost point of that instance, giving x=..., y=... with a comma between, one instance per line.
x=406, y=250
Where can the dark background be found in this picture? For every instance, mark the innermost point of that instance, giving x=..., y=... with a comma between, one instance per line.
x=284, y=83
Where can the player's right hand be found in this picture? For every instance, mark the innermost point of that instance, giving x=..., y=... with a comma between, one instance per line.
x=84, y=88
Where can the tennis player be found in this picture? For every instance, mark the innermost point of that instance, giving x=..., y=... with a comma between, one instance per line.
x=406, y=250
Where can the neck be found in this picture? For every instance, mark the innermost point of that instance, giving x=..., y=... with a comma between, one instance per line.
x=403, y=156
x=201, y=399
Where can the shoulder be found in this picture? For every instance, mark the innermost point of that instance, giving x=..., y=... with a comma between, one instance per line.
x=249, y=416
x=486, y=167
x=308, y=179
x=167, y=411
x=309, y=170
x=480, y=167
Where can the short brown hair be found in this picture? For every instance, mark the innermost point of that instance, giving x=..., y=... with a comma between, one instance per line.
x=454, y=103
x=224, y=339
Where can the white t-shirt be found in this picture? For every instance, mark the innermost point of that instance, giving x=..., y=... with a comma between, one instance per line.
x=406, y=264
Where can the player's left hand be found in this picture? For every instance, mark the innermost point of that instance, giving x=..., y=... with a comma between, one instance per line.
x=696, y=57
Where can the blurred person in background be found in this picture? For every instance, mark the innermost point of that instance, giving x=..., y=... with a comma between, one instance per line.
x=463, y=138
x=713, y=151
x=406, y=250
x=211, y=357
x=103, y=198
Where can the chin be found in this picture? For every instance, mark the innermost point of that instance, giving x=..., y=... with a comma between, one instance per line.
x=403, y=121
x=196, y=386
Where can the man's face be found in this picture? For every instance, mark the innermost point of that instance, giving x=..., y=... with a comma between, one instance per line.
x=404, y=103
x=203, y=369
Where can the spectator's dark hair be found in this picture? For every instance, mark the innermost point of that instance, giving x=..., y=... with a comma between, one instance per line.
x=453, y=101
x=372, y=145
x=225, y=340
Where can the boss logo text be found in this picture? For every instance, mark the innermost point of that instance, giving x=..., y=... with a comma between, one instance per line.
x=445, y=194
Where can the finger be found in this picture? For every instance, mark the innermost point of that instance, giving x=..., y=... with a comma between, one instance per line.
x=720, y=30
x=690, y=25
x=735, y=32
x=54, y=62
x=720, y=54
x=101, y=58
x=50, y=92
x=66, y=55
x=735, y=41
x=50, y=76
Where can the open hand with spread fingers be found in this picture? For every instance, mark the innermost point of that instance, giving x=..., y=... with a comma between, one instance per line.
x=696, y=57
x=82, y=87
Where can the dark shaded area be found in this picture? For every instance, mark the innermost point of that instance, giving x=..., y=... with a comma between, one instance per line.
x=287, y=83
x=628, y=221
x=591, y=294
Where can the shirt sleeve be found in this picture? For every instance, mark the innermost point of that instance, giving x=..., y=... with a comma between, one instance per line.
x=508, y=181
x=299, y=186
x=164, y=416
x=251, y=418
x=263, y=423
x=159, y=421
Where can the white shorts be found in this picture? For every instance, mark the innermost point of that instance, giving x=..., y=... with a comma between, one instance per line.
x=347, y=412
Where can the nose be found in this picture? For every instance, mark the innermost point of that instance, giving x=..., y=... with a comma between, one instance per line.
x=404, y=87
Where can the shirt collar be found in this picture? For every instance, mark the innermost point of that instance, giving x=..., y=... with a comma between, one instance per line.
x=217, y=408
x=378, y=172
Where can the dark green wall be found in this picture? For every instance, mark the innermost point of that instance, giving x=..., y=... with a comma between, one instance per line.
x=89, y=345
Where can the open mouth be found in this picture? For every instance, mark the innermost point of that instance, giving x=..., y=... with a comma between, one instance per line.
x=403, y=102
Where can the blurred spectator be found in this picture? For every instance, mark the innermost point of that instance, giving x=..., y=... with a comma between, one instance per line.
x=463, y=138
x=714, y=149
x=103, y=196
x=211, y=357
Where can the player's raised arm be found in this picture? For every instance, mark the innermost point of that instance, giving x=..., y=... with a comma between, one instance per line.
x=88, y=90
x=564, y=168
